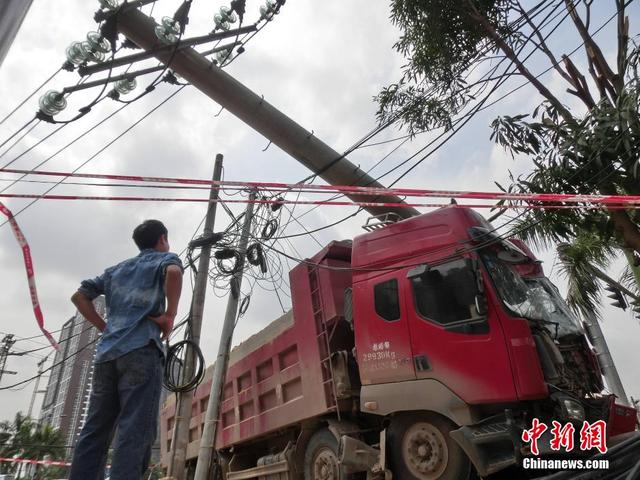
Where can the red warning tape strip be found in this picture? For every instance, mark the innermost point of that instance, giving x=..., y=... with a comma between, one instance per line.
x=354, y=189
x=320, y=202
x=57, y=463
x=28, y=266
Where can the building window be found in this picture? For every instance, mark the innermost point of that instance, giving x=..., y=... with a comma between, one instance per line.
x=387, y=301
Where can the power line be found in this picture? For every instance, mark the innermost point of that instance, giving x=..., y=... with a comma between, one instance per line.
x=18, y=140
x=127, y=130
x=52, y=366
x=380, y=128
x=17, y=132
x=119, y=136
x=29, y=96
x=21, y=339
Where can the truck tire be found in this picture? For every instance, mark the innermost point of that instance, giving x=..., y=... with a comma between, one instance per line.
x=421, y=449
x=321, y=457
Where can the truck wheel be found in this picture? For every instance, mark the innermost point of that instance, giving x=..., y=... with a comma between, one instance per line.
x=421, y=449
x=321, y=458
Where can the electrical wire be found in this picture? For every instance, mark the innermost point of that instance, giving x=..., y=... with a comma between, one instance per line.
x=109, y=144
x=380, y=128
x=40, y=141
x=17, y=132
x=118, y=137
x=52, y=366
x=18, y=140
x=176, y=378
x=29, y=96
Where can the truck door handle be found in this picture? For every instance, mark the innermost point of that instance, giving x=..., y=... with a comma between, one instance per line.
x=421, y=363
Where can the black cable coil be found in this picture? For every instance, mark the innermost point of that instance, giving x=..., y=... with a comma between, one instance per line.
x=175, y=376
x=226, y=254
x=255, y=256
x=269, y=229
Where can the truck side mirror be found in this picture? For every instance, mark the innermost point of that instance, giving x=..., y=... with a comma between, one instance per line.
x=481, y=304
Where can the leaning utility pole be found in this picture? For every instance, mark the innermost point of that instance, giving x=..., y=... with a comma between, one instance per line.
x=605, y=360
x=256, y=112
x=7, y=343
x=595, y=334
x=12, y=13
x=208, y=440
x=180, y=439
x=35, y=389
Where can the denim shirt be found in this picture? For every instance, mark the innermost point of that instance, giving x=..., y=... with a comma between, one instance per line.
x=134, y=290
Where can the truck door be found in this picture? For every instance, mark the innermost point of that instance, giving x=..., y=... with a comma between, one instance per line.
x=383, y=342
x=451, y=341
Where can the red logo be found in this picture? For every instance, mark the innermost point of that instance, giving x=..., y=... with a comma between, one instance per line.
x=592, y=435
x=562, y=436
x=532, y=435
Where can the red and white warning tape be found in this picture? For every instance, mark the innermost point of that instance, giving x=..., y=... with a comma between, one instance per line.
x=28, y=266
x=595, y=206
x=354, y=189
x=55, y=463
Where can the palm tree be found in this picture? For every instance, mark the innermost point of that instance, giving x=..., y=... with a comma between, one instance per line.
x=583, y=263
x=28, y=439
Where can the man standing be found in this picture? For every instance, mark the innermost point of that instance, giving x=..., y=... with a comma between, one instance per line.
x=129, y=357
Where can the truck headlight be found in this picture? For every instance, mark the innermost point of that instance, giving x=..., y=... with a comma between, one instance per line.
x=572, y=409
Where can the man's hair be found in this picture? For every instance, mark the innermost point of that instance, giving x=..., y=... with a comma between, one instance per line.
x=147, y=234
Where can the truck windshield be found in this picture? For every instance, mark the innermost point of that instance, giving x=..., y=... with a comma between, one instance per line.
x=536, y=299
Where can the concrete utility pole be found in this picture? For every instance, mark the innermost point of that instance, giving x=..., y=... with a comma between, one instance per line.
x=609, y=371
x=7, y=343
x=12, y=13
x=208, y=440
x=178, y=456
x=257, y=113
x=35, y=389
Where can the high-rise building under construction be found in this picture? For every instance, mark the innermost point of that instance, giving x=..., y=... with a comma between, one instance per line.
x=67, y=394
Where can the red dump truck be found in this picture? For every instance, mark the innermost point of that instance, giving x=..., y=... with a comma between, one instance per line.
x=421, y=350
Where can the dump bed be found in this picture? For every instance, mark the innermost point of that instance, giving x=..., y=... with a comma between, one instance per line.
x=281, y=375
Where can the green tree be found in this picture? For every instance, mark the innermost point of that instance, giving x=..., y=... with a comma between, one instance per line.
x=27, y=439
x=593, y=149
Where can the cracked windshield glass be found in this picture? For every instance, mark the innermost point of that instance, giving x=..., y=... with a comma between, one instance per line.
x=533, y=298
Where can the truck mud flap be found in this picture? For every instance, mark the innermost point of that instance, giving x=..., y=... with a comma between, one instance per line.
x=489, y=444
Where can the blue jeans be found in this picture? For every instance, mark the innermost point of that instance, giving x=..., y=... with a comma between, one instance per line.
x=125, y=394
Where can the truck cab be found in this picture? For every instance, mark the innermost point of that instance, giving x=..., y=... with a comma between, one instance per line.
x=459, y=334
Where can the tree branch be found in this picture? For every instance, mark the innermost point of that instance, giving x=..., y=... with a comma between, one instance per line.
x=599, y=81
x=593, y=50
x=623, y=42
x=582, y=91
x=511, y=55
x=623, y=225
x=544, y=47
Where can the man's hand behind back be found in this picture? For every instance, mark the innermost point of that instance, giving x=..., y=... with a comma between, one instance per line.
x=172, y=287
x=165, y=322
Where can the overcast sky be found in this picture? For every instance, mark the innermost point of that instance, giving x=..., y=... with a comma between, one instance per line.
x=319, y=62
